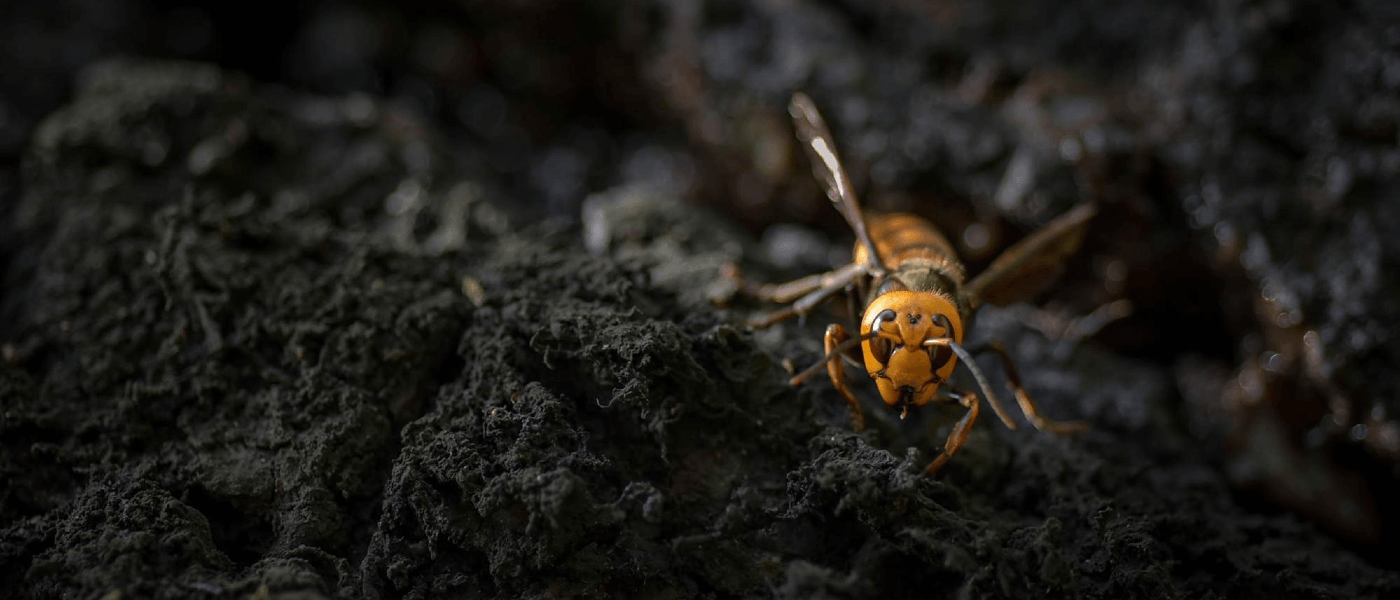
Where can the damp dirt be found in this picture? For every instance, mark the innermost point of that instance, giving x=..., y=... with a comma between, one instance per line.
x=274, y=345
x=269, y=332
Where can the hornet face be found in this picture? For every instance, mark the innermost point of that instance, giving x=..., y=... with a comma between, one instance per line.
x=905, y=369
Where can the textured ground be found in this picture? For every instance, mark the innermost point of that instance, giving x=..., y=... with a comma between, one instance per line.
x=266, y=342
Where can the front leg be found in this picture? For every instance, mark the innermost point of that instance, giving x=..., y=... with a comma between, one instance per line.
x=836, y=335
x=1024, y=399
x=960, y=431
x=805, y=293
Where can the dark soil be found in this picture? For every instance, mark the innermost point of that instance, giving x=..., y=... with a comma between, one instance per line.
x=364, y=301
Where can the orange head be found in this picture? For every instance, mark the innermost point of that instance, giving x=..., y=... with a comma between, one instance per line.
x=905, y=369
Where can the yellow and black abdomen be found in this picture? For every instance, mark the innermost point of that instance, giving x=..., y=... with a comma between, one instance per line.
x=902, y=238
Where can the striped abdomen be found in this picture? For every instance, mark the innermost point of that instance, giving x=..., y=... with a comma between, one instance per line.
x=906, y=241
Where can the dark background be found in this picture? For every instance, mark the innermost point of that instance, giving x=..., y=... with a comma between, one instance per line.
x=412, y=299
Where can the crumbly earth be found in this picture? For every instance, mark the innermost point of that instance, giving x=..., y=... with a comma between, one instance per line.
x=276, y=346
x=260, y=342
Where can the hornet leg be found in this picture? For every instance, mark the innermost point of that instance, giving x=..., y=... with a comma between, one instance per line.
x=805, y=293
x=959, y=433
x=835, y=334
x=1024, y=399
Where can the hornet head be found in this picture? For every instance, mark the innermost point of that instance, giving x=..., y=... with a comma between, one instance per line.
x=905, y=369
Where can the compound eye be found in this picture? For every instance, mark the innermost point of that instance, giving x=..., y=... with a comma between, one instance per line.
x=881, y=347
x=939, y=356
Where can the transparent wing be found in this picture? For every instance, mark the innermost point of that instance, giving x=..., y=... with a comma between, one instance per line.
x=826, y=166
x=1034, y=263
